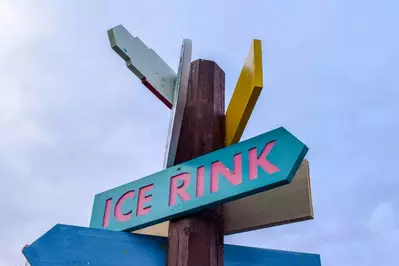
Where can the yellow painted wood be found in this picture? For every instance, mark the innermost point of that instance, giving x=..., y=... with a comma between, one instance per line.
x=283, y=205
x=245, y=95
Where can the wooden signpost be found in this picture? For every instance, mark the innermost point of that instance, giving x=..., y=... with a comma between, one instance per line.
x=202, y=132
x=212, y=184
x=75, y=245
x=287, y=204
x=255, y=165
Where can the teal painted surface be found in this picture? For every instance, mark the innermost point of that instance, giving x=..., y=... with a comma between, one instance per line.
x=74, y=245
x=287, y=154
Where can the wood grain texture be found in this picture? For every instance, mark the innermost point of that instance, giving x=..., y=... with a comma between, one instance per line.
x=198, y=239
x=287, y=204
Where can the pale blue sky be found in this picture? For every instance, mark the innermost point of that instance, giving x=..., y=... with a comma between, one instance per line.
x=74, y=121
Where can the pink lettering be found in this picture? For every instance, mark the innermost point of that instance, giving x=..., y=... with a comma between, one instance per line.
x=107, y=212
x=122, y=217
x=141, y=209
x=179, y=189
x=200, y=181
x=255, y=161
x=234, y=178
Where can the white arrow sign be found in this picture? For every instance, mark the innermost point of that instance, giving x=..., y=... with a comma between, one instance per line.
x=158, y=77
x=145, y=63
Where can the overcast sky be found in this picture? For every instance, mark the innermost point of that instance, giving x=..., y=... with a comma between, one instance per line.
x=74, y=121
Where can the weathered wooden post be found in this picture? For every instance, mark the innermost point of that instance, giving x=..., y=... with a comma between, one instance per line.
x=198, y=239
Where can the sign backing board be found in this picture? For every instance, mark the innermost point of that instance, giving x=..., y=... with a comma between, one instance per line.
x=264, y=162
x=179, y=103
x=283, y=205
x=145, y=63
x=74, y=245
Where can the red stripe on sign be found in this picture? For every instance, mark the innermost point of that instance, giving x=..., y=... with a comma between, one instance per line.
x=156, y=93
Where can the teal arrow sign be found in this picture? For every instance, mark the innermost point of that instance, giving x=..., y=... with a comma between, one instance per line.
x=264, y=162
x=74, y=245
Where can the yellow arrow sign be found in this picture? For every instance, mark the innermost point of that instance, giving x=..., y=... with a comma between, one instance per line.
x=245, y=95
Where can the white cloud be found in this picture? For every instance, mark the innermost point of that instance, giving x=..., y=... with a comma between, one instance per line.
x=383, y=219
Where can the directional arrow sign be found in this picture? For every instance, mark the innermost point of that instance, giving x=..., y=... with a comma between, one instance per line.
x=265, y=162
x=286, y=204
x=73, y=245
x=146, y=64
x=245, y=95
x=158, y=77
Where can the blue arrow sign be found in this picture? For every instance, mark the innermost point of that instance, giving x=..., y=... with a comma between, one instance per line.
x=73, y=245
x=264, y=162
